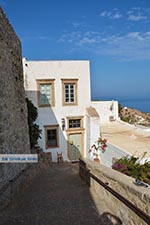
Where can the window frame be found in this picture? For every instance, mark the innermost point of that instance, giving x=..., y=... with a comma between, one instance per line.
x=75, y=118
x=51, y=127
x=74, y=124
x=70, y=82
x=46, y=82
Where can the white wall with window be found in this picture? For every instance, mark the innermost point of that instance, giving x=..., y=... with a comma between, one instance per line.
x=61, y=91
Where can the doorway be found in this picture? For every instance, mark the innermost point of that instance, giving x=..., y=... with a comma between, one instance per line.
x=75, y=146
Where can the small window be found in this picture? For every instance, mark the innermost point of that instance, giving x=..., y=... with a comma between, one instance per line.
x=69, y=88
x=45, y=93
x=74, y=123
x=51, y=136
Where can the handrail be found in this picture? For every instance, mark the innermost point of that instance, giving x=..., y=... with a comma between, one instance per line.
x=130, y=205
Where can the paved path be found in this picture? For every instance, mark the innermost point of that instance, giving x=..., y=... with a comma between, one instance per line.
x=56, y=197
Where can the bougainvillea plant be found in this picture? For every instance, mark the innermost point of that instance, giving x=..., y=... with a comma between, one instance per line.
x=131, y=166
x=99, y=146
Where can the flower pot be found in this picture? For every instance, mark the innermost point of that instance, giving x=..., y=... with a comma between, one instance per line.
x=96, y=160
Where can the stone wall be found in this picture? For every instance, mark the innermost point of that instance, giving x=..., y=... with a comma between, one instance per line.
x=10, y=191
x=14, y=137
x=123, y=185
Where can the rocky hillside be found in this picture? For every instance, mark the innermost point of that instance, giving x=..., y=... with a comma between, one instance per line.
x=134, y=116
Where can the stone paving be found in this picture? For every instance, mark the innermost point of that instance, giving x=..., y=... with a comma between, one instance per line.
x=57, y=196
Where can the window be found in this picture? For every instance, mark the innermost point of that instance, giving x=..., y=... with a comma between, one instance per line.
x=69, y=93
x=74, y=123
x=69, y=89
x=51, y=136
x=45, y=93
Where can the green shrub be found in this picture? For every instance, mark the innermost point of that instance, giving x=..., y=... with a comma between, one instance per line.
x=34, y=131
x=125, y=119
x=120, y=107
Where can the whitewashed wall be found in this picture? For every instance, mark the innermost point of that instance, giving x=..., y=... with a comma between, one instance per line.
x=92, y=132
x=87, y=135
x=106, y=109
x=52, y=115
x=111, y=152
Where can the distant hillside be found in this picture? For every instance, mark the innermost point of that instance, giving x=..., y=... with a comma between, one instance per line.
x=134, y=116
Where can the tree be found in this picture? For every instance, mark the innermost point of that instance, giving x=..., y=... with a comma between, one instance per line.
x=34, y=131
x=120, y=107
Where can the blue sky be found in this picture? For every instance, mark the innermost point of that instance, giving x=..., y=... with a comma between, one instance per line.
x=113, y=34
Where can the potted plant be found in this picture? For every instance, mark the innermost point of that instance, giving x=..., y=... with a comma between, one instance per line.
x=99, y=146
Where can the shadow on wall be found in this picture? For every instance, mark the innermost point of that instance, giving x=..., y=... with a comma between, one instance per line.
x=105, y=217
x=53, y=124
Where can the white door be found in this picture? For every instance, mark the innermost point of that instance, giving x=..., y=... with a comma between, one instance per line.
x=75, y=146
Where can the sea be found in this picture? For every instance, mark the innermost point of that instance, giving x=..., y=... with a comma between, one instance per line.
x=142, y=104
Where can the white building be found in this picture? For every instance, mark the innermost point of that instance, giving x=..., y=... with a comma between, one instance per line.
x=62, y=93
x=108, y=110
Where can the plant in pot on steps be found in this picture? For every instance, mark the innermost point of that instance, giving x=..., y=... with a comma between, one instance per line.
x=95, y=150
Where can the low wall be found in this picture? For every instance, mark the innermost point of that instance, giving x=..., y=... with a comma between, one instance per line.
x=112, y=152
x=138, y=128
x=123, y=185
x=23, y=179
